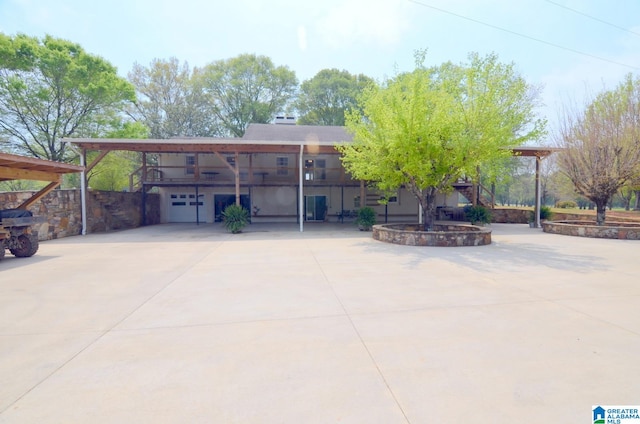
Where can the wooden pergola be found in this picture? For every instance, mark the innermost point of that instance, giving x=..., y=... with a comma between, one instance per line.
x=539, y=153
x=14, y=167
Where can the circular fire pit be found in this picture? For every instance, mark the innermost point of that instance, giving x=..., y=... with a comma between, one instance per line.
x=610, y=230
x=443, y=235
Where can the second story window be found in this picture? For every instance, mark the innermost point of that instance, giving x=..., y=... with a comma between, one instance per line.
x=282, y=164
x=190, y=164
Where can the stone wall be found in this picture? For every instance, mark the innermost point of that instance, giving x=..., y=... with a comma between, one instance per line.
x=446, y=235
x=510, y=216
x=611, y=230
x=61, y=211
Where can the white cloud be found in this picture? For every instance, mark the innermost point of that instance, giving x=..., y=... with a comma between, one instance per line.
x=364, y=21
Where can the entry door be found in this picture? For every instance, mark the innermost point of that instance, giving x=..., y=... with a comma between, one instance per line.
x=315, y=208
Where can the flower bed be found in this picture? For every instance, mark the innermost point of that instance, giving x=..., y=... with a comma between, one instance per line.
x=444, y=235
x=610, y=230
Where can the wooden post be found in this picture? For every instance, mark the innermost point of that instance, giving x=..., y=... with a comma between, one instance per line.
x=237, y=172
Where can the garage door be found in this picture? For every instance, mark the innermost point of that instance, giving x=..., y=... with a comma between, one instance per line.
x=182, y=207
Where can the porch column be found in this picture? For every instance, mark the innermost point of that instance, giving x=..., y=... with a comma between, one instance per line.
x=237, y=172
x=83, y=191
x=300, y=189
x=537, y=207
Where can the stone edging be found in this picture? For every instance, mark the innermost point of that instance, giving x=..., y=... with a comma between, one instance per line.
x=611, y=230
x=445, y=235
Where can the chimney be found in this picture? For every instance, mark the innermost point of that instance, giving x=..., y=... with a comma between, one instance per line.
x=285, y=120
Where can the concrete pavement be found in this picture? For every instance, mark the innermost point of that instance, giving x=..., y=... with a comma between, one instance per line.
x=188, y=324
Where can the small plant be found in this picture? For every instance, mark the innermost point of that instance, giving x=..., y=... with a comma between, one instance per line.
x=477, y=214
x=235, y=218
x=366, y=218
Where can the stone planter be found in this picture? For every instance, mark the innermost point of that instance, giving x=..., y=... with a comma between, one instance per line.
x=444, y=235
x=611, y=230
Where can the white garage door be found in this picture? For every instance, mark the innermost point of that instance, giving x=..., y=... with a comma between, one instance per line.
x=182, y=207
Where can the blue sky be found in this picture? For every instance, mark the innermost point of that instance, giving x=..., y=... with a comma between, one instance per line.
x=374, y=37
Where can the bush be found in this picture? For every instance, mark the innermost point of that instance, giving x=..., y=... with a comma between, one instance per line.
x=235, y=218
x=545, y=214
x=566, y=204
x=477, y=214
x=366, y=218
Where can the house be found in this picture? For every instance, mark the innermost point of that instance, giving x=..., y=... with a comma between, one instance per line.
x=279, y=172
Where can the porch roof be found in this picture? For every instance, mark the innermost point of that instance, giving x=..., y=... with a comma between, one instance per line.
x=259, y=138
x=14, y=167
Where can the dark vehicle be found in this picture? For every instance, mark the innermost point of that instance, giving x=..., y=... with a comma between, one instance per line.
x=17, y=234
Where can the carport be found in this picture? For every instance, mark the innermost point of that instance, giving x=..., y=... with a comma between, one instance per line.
x=14, y=167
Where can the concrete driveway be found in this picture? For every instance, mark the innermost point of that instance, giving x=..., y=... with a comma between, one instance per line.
x=189, y=324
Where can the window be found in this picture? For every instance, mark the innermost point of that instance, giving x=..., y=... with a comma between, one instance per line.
x=190, y=164
x=282, y=164
x=315, y=169
x=231, y=160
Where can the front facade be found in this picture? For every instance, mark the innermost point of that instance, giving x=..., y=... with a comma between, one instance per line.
x=196, y=187
x=279, y=172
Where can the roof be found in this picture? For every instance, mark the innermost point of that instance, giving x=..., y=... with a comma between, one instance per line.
x=297, y=133
x=258, y=138
x=537, y=151
x=14, y=167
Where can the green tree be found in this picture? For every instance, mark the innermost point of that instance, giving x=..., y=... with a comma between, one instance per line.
x=324, y=99
x=171, y=102
x=601, y=145
x=48, y=89
x=113, y=171
x=425, y=129
x=247, y=89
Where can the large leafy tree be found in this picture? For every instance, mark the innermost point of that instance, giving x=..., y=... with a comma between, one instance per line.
x=601, y=144
x=247, y=89
x=49, y=88
x=425, y=129
x=324, y=99
x=170, y=101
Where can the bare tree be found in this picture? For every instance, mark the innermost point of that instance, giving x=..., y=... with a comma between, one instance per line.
x=602, y=144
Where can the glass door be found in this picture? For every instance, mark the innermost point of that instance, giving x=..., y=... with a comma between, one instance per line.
x=315, y=208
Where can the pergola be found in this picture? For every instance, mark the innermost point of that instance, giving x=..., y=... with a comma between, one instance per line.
x=13, y=167
x=539, y=153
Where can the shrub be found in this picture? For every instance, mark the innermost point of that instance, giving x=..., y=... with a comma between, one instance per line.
x=235, y=218
x=566, y=204
x=545, y=214
x=366, y=218
x=477, y=214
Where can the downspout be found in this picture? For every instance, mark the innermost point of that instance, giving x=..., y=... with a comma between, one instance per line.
x=83, y=191
x=300, y=190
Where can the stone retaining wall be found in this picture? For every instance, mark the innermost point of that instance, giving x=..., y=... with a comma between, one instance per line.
x=578, y=228
x=445, y=235
x=62, y=211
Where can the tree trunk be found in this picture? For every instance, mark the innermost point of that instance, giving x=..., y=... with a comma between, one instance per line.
x=428, y=210
x=601, y=210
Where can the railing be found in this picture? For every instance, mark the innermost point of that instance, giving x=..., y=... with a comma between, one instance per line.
x=224, y=175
